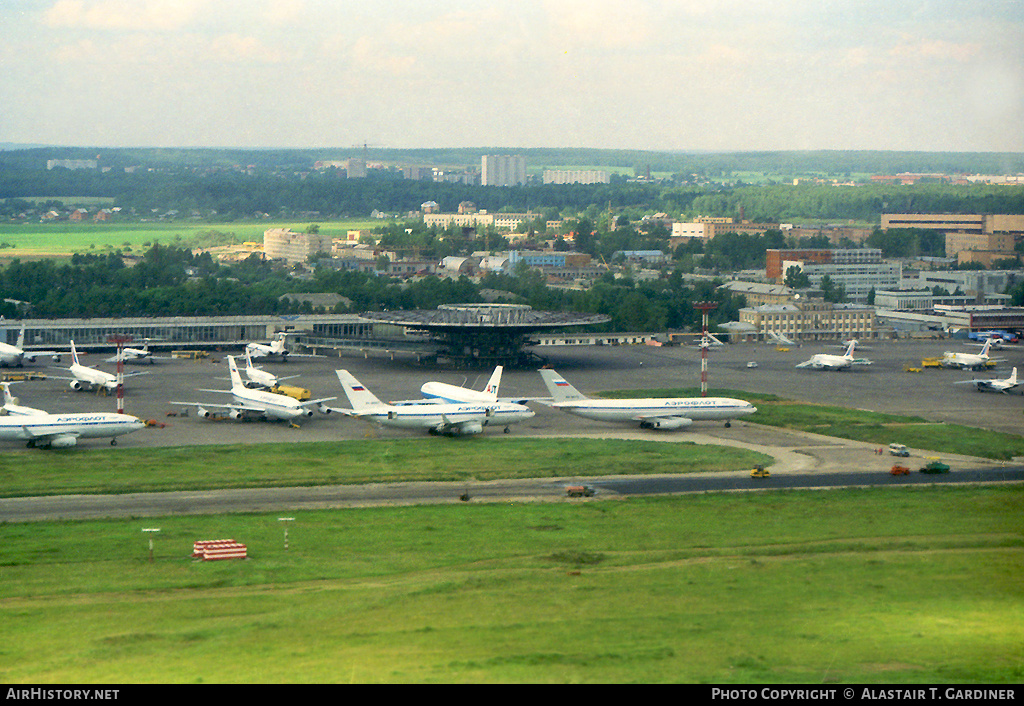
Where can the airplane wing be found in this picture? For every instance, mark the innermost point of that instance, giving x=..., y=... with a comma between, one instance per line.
x=31, y=356
x=860, y=361
x=319, y=404
x=806, y=364
x=49, y=437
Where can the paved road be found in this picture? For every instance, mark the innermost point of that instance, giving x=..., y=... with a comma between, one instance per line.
x=803, y=459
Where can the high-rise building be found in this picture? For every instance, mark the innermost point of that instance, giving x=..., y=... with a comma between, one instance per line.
x=502, y=170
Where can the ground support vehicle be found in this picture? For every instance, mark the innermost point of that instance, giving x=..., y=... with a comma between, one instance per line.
x=898, y=450
x=898, y=470
x=760, y=472
x=935, y=466
x=579, y=491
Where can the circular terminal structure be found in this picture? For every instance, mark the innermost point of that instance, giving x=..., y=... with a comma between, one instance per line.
x=483, y=335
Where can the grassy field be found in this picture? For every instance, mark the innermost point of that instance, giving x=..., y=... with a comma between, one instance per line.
x=861, y=425
x=75, y=471
x=65, y=238
x=908, y=585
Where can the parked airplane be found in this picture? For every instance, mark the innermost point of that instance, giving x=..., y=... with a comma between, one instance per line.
x=86, y=378
x=443, y=392
x=459, y=418
x=995, y=385
x=134, y=355
x=260, y=377
x=259, y=403
x=651, y=412
x=12, y=405
x=275, y=349
x=972, y=361
x=827, y=361
x=16, y=355
x=39, y=428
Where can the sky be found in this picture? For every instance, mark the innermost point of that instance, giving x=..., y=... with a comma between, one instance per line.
x=720, y=75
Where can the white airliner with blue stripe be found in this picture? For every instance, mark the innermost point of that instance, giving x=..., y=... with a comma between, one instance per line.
x=651, y=412
x=453, y=419
x=64, y=430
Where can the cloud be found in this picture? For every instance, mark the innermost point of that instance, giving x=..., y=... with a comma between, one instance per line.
x=131, y=15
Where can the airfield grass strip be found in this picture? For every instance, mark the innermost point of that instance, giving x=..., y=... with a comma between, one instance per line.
x=861, y=425
x=857, y=585
x=123, y=470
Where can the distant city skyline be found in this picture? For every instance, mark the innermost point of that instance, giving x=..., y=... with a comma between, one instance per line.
x=659, y=75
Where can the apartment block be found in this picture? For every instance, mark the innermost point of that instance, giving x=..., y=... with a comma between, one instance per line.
x=286, y=244
x=576, y=176
x=502, y=170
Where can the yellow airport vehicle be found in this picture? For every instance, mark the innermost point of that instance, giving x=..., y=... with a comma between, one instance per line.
x=190, y=355
x=20, y=377
x=760, y=472
x=299, y=393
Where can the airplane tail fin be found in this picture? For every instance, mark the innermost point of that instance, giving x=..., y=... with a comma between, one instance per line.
x=74, y=354
x=494, y=382
x=560, y=390
x=984, y=349
x=8, y=397
x=358, y=396
x=21, y=339
x=849, y=351
x=1012, y=380
x=236, y=377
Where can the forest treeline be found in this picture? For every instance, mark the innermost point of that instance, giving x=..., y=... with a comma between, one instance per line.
x=174, y=282
x=227, y=185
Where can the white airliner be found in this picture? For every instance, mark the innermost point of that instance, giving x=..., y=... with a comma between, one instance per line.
x=995, y=385
x=86, y=378
x=651, y=413
x=16, y=355
x=260, y=377
x=443, y=392
x=41, y=429
x=134, y=355
x=12, y=405
x=275, y=349
x=454, y=419
x=259, y=403
x=827, y=361
x=971, y=361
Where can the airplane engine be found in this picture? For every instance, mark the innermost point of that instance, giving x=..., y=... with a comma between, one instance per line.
x=666, y=423
x=307, y=412
x=63, y=442
x=75, y=385
x=324, y=409
x=471, y=428
x=56, y=358
x=205, y=413
x=235, y=414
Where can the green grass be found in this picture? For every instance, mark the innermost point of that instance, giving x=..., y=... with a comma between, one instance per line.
x=861, y=425
x=31, y=472
x=39, y=239
x=845, y=586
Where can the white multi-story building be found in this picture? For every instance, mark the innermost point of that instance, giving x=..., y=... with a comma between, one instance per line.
x=576, y=176
x=286, y=244
x=502, y=170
